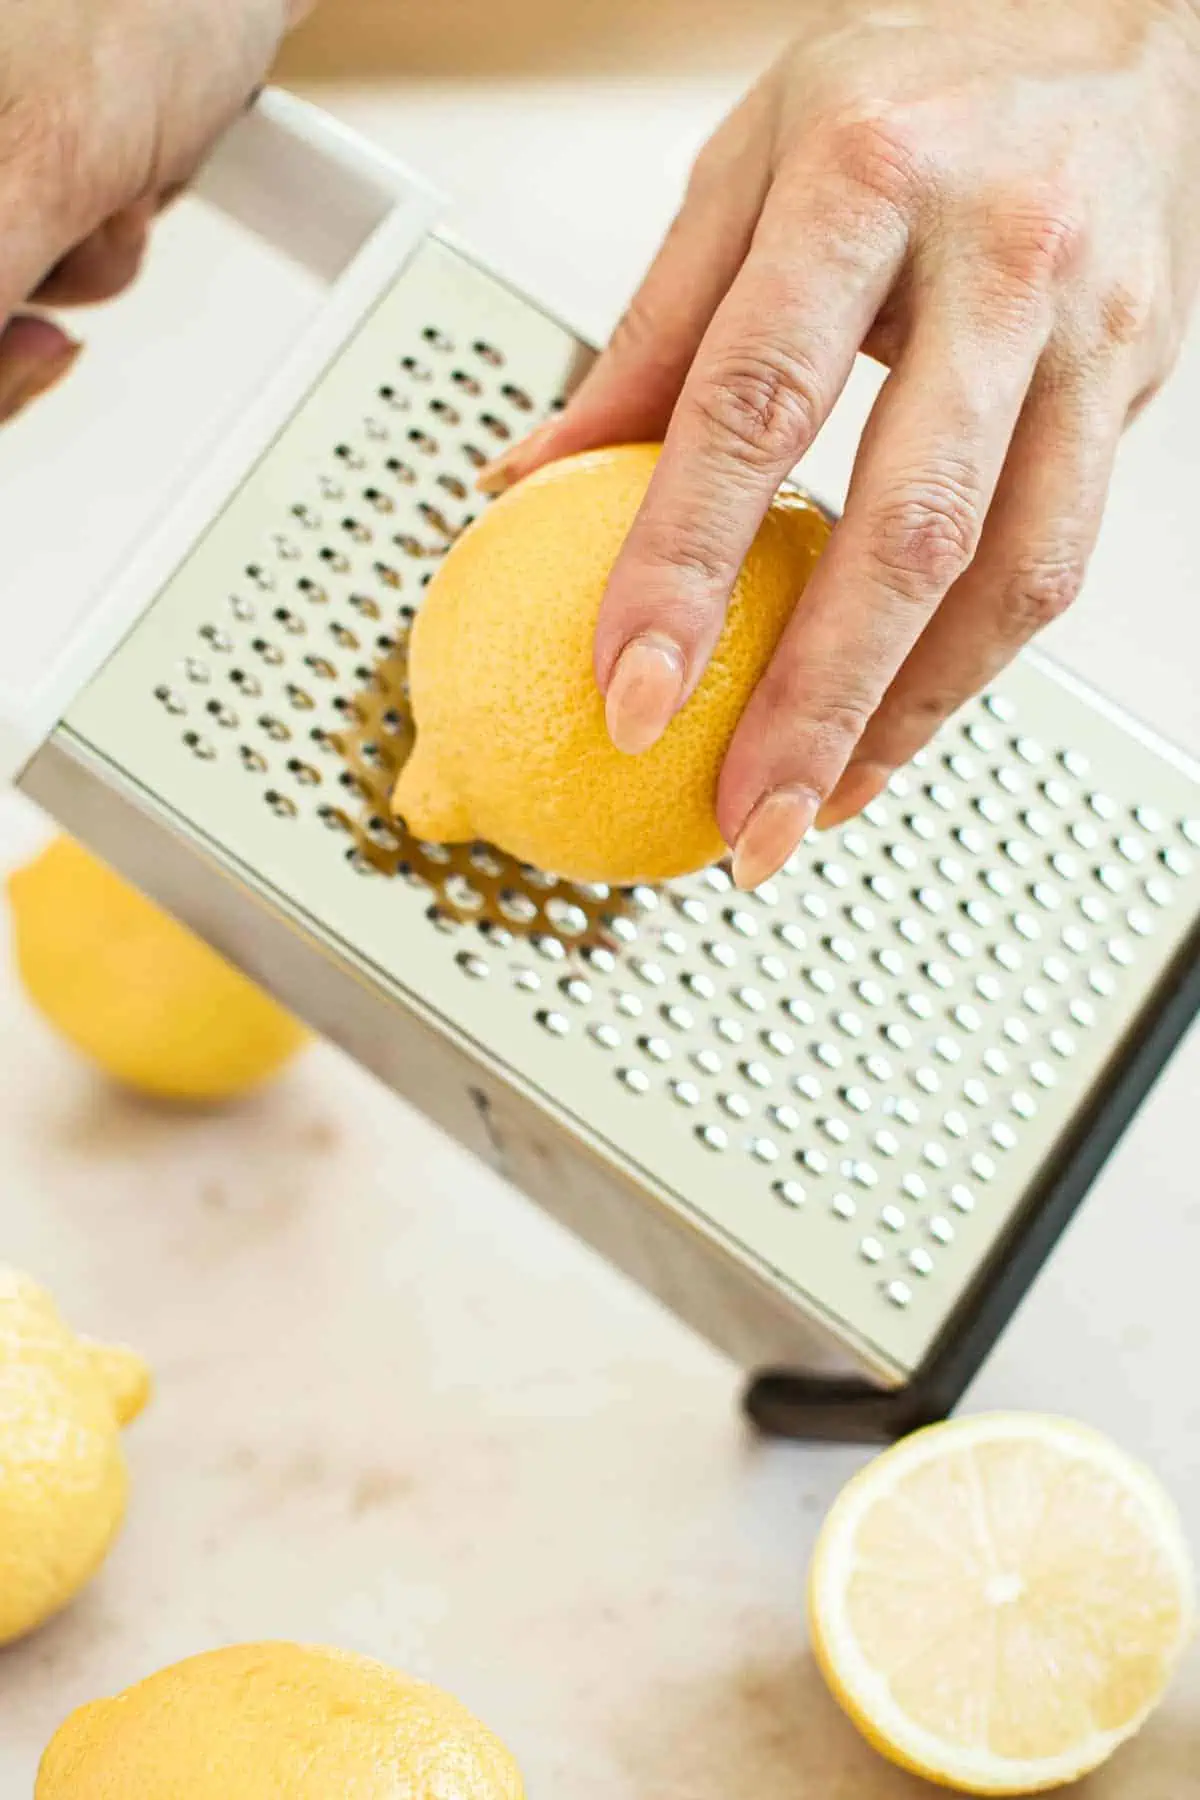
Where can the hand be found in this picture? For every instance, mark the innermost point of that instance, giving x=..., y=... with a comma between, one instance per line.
x=106, y=108
x=997, y=199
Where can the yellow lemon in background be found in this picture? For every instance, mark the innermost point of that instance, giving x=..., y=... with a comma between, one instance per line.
x=277, y=1722
x=998, y=1603
x=511, y=742
x=134, y=990
x=63, y=1482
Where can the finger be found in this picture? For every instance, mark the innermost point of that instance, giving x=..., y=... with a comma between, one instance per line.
x=770, y=368
x=104, y=264
x=1032, y=559
x=923, y=481
x=34, y=356
x=35, y=233
x=630, y=391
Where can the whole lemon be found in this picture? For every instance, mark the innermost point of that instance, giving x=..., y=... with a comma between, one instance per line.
x=277, y=1722
x=511, y=742
x=134, y=990
x=63, y=1482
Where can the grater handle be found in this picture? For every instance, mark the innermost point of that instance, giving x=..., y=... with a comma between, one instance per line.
x=348, y=219
x=296, y=178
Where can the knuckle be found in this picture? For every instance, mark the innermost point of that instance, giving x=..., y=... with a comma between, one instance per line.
x=764, y=406
x=876, y=149
x=820, y=733
x=834, y=734
x=674, y=549
x=1040, y=590
x=1032, y=237
x=924, y=538
x=1129, y=312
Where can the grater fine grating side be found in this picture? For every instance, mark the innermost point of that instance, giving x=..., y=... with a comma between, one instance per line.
x=835, y=1124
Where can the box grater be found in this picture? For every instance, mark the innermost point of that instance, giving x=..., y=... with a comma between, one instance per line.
x=836, y=1124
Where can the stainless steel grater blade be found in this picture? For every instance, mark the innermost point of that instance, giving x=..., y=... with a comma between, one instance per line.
x=837, y=1124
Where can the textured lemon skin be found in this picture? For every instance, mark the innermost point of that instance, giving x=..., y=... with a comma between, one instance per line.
x=63, y=1480
x=511, y=740
x=277, y=1722
x=136, y=992
x=862, y=1487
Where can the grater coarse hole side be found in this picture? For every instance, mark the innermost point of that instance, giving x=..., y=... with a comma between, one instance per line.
x=853, y=1077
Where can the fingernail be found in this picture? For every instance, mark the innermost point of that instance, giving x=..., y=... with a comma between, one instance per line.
x=771, y=834
x=861, y=783
x=23, y=379
x=503, y=471
x=495, y=477
x=644, y=691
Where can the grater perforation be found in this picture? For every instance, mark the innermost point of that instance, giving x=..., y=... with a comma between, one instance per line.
x=838, y=1102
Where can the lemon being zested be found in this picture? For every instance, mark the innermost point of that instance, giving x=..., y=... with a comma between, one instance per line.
x=1000, y=1602
x=63, y=1481
x=134, y=990
x=277, y=1722
x=511, y=740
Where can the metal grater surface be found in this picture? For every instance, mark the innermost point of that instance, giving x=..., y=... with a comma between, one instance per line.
x=853, y=1077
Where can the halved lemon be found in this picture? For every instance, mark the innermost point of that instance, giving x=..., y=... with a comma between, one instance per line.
x=999, y=1602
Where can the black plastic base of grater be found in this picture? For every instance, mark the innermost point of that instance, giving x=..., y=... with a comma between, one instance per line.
x=816, y=1409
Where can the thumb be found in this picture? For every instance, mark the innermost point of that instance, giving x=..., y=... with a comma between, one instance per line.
x=35, y=354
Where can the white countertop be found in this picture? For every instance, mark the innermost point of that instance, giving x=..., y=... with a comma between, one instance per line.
x=397, y=1409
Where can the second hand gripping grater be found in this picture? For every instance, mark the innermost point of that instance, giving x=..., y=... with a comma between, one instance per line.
x=836, y=1124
